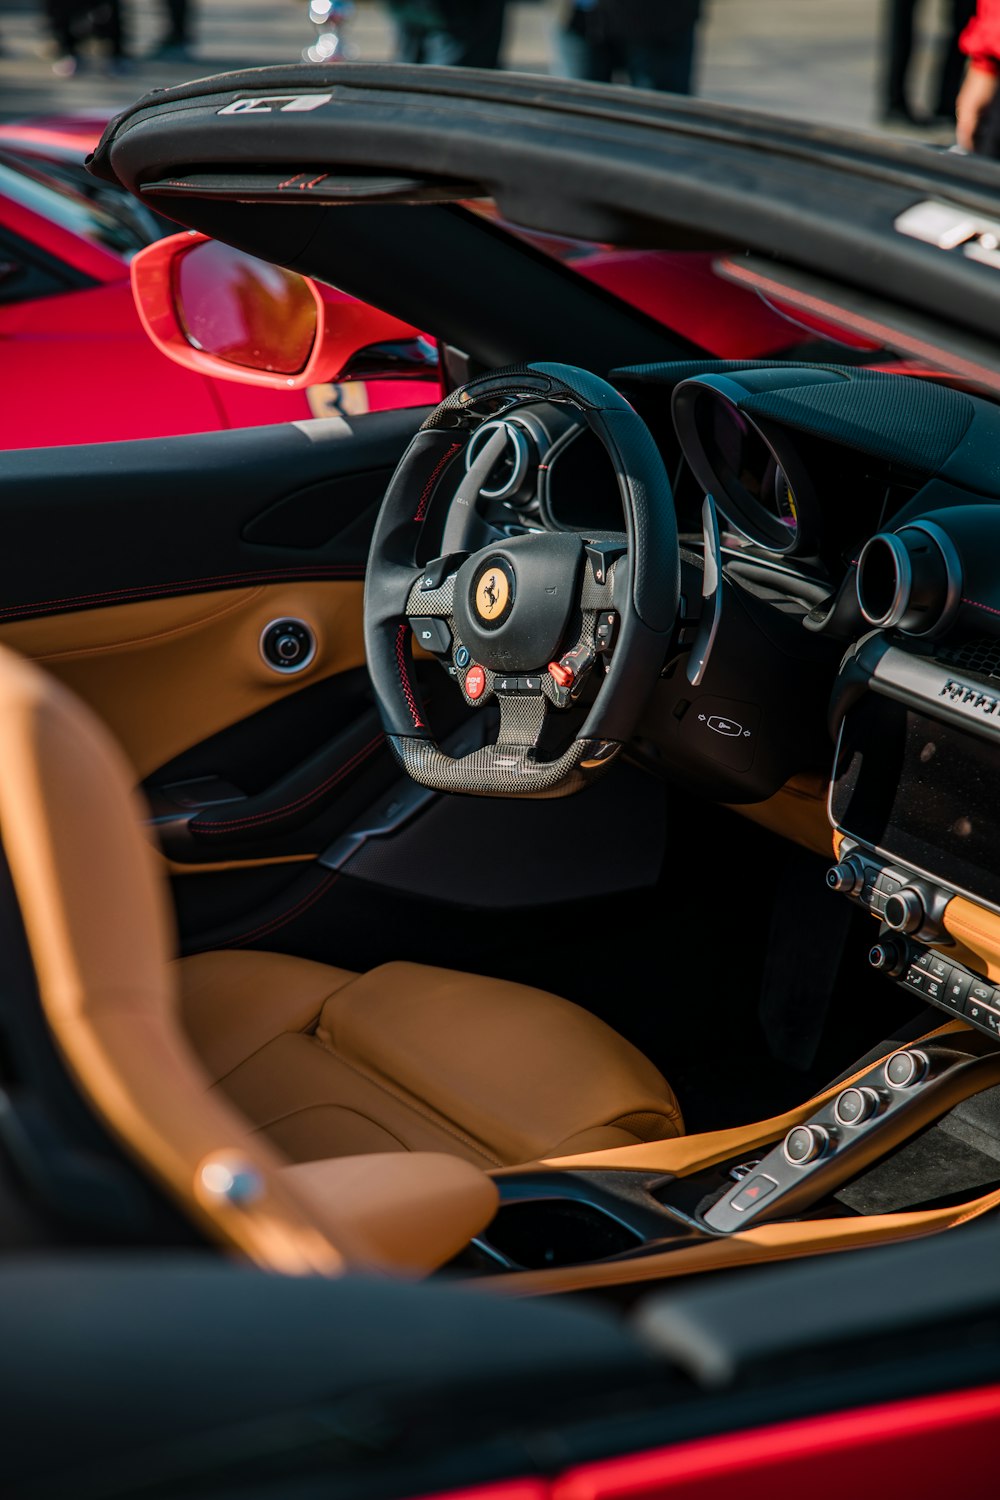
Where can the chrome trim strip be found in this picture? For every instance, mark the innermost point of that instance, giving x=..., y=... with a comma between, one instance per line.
x=904, y=580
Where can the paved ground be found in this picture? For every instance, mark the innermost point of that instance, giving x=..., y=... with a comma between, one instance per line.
x=810, y=58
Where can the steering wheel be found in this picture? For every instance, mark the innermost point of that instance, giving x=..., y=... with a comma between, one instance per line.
x=567, y=633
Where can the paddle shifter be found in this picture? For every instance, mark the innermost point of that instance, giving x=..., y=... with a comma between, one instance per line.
x=711, y=594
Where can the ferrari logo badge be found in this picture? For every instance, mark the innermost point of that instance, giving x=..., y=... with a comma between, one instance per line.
x=492, y=594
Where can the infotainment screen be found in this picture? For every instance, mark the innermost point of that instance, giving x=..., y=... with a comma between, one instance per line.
x=923, y=791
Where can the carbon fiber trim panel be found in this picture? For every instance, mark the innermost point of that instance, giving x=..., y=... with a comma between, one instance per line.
x=505, y=770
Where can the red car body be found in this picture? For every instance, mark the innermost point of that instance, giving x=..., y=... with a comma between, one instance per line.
x=75, y=355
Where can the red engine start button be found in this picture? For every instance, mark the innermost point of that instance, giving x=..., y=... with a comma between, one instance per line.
x=475, y=682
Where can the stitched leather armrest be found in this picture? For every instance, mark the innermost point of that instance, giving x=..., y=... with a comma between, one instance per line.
x=411, y=1211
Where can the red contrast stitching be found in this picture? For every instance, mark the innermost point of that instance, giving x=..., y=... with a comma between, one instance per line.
x=187, y=586
x=441, y=464
x=267, y=928
x=288, y=181
x=316, y=181
x=976, y=605
x=404, y=677
x=253, y=820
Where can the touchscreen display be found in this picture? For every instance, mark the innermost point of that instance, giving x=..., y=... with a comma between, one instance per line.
x=924, y=791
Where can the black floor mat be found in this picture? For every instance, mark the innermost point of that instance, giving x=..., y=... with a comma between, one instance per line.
x=941, y=1166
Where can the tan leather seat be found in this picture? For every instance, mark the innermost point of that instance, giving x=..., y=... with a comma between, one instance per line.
x=329, y=1063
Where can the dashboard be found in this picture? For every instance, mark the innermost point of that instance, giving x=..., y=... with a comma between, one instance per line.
x=857, y=637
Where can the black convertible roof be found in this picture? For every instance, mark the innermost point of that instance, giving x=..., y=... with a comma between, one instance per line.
x=227, y=154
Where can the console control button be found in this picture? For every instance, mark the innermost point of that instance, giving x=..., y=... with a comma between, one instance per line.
x=855, y=1105
x=929, y=975
x=577, y=663
x=888, y=956
x=981, y=1006
x=845, y=877
x=601, y=556
x=287, y=645
x=751, y=1194
x=955, y=989
x=437, y=571
x=462, y=658
x=904, y=911
x=432, y=634
x=804, y=1143
x=904, y=1069
x=475, y=682
x=606, y=630
x=993, y=1021
x=931, y=964
x=975, y=1009
x=923, y=982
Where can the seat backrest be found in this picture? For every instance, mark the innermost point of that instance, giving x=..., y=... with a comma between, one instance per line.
x=97, y=919
x=94, y=907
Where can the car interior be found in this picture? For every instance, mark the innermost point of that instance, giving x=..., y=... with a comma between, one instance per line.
x=563, y=851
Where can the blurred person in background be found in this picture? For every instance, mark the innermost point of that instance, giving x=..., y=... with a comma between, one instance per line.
x=978, y=109
x=175, y=44
x=650, y=43
x=73, y=22
x=449, y=33
x=899, y=15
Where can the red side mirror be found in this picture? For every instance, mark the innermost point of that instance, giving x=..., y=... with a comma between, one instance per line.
x=216, y=310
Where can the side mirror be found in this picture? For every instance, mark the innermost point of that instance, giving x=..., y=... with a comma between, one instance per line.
x=223, y=313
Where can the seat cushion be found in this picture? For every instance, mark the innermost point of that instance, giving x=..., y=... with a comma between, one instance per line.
x=416, y=1058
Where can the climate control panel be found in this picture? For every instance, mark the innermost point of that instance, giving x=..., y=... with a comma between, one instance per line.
x=911, y=911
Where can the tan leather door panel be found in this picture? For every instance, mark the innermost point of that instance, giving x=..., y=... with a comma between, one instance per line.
x=167, y=673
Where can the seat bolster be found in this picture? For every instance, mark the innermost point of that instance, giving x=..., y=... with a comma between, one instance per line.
x=233, y=1003
x=518, y=1069
x=409, y=1212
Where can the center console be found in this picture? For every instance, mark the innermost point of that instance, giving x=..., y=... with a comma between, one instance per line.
x=915, y=805
x=811, y=1174
x=909, y=1144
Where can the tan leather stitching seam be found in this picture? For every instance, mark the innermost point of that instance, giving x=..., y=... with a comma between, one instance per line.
x=329, y=1104
x=630, y=1123
x=308, y=1032
x=246, y=598
x=959, y=924
x=267, y=929
x=418, y=1108
x=980, y=1206
x=255, y=820
x=318, y=571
